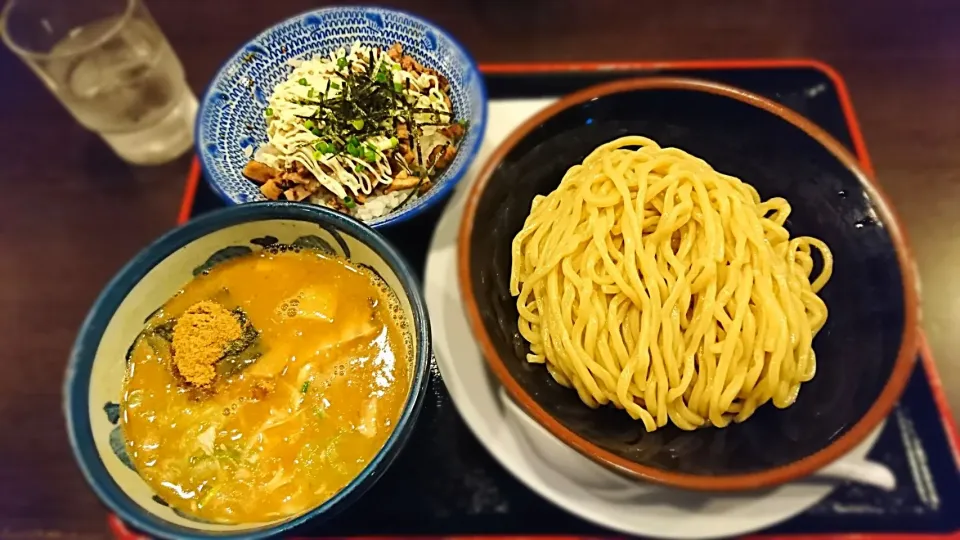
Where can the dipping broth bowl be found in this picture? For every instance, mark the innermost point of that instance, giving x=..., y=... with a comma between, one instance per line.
x=97, y=365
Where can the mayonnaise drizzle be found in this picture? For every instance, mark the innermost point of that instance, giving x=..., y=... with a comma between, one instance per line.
x=290, y=141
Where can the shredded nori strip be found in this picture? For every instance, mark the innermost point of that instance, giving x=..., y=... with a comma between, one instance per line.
x=165, y=330
x=364, y=98
x=247, y=338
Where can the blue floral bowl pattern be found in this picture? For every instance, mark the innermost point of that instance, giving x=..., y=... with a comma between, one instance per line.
x=231, y=120
x=94, y=378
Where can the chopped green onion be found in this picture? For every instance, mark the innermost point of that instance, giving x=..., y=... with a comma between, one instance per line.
x=268, y=112
x=353, y=150
x=370, y=156
x=317, y=154
x=302, y=81
x=381, y=77
x=358, y=168
x=358, y=123
x=315, y=131
x=394, y=142
x=305, y=387
x=206, y=497
x=397, y=87
x=353, y=140
x=310, y=93
x=348, y=200
x=342, y=62
x=334, y=85
x=395, y=67
x=318, y=145
x=309, y=124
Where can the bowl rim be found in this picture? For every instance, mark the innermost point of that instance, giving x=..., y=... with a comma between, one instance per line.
x=76, y=384
x=884, y=403
x=393, y=217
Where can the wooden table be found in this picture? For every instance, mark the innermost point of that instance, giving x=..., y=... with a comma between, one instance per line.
x=71, y=213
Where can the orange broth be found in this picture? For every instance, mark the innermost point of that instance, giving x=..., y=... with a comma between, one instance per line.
x=288, y=431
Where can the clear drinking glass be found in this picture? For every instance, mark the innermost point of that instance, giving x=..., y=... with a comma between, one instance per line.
x=112, y=68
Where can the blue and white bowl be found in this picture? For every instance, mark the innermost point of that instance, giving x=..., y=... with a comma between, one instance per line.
x=231, y=122
x=94, y=378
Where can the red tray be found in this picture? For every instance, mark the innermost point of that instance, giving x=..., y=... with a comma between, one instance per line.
x=858, y=146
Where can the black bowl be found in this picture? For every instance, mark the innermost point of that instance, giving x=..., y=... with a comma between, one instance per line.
x=864, y=353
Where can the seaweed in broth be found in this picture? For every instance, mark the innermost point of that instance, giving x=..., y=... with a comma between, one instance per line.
x=298, y=407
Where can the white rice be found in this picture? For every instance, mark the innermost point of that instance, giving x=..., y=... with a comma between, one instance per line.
x=376, y=205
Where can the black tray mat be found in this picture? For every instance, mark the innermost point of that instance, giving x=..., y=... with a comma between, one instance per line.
x=445, y=483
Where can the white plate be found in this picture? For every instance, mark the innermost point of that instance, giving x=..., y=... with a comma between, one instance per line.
x=566, y=478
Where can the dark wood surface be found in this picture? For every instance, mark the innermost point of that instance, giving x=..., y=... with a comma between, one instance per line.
x=71, y=213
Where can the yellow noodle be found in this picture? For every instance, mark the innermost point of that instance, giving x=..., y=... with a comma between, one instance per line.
x=650, y=281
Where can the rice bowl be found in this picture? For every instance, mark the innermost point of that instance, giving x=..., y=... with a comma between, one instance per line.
x=234, y=127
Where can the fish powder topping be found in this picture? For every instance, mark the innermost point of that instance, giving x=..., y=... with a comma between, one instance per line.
x=200, y=338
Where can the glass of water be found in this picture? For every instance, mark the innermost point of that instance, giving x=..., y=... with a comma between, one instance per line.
x=112, y=68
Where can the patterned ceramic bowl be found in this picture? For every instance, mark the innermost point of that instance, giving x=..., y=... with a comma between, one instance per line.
x=95, y=373
x=230, y=124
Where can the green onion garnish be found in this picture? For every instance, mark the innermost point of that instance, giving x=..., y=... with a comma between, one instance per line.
x=303, y=82
x=348, y=201
x=310, y=93
x=335, y=86
x=397, y=87
x=370, y=156
x=358, y=168
x=268, y=112
x=317, y=154
x=353, y=150
x=395, y=67
x=353, y=140
x=382, y=77
x=357, y=124
x=342, y=62
x=394, y=142
x=315, y=131
x=309, y=124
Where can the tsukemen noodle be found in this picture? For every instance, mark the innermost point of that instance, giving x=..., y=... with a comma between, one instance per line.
x=649, y=281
